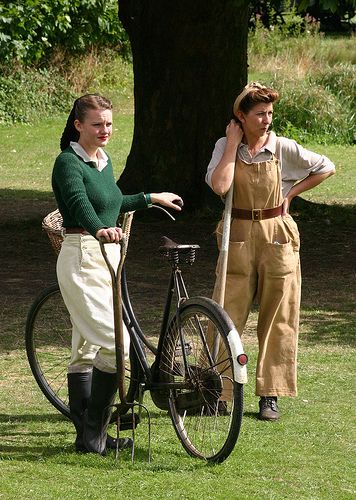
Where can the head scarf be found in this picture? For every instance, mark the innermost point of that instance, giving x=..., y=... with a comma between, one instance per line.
x=251, y=86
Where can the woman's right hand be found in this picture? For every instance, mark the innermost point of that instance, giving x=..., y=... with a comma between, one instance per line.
x=223, y=174
x=234, y=133
x=113, y=234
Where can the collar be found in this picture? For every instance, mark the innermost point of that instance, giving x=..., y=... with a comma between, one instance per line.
x=100, y=162
x=270, y=144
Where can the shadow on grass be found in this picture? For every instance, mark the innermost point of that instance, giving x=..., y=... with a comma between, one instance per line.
x=67, y=454
x=253, y=415
x=31, y=418
x=329, y=326
x=29, y=453
x=328, y=255
x=25, y=195
x=302, y=209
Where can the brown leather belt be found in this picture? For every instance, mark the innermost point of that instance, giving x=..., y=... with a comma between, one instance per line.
x=75, y=230
x=256, y=214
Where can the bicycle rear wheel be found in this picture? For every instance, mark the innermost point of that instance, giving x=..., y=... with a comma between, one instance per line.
x=48, y=345
x=206, y=403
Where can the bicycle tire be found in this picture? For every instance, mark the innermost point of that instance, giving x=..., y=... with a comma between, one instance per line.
x=48, y=346
x=206, y=411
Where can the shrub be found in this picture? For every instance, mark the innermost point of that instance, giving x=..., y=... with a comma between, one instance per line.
x=340, y=80
x=307, y=111
x=318, y=91
x=98, y=71
x=30, y=30
x=27, y=95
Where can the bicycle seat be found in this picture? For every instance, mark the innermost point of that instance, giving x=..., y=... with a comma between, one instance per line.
x=176, y=252
x=169, y=244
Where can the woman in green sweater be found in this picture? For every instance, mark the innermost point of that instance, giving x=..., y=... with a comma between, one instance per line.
x=90, y=202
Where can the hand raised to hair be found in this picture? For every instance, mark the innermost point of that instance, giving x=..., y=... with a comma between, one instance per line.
x=234, y=133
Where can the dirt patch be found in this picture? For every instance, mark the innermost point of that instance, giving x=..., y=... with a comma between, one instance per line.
x=28, y=262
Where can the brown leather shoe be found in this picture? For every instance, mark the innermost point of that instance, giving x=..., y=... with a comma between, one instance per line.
x=268, y=408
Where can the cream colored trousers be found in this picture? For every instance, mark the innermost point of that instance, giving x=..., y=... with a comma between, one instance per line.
x=85, y=285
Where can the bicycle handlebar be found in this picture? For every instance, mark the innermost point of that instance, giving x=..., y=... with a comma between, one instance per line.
x=165, y=211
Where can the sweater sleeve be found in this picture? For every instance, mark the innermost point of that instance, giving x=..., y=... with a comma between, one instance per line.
x=132, y=202
x=67, y=180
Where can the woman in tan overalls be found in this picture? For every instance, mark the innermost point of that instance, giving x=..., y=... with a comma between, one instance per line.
x=263, y=263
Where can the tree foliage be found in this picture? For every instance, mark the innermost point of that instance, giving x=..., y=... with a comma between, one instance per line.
x=341, y=7
x=30, y=30
x=331, y=12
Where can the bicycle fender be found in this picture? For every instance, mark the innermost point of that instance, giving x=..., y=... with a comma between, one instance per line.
x=240, y=372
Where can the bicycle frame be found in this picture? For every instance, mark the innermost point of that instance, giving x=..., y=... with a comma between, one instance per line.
x=198, y=367
x=137, y=337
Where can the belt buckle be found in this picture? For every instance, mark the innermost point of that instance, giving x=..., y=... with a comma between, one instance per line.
x=257, y=214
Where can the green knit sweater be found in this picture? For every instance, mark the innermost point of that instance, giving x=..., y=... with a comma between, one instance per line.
x=88, y=198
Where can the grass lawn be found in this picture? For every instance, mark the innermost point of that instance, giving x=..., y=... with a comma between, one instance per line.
x=309, y=454
x=27, y=153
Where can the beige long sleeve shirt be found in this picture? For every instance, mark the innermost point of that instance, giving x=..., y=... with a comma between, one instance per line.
x=296, y=162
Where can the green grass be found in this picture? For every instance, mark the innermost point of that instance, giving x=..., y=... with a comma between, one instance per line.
x=27, y=153
x=308, y=454
x=341, y=188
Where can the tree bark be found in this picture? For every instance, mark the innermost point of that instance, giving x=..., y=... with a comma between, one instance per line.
x=189, y=62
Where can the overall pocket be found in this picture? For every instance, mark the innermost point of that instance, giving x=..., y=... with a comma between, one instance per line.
x=292, y=231
x=238, y=257
x=279, y=260
x=238, y=261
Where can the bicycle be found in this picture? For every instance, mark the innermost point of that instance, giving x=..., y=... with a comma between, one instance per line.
x=199, y=365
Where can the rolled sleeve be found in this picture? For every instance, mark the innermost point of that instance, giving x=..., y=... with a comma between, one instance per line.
x=215, y=159
x=298, y=162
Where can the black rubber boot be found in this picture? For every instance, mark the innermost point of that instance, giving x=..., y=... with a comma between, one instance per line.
x=79, y=387
x=97, y=415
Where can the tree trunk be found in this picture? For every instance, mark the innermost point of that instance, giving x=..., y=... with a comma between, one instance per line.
x=189, y=62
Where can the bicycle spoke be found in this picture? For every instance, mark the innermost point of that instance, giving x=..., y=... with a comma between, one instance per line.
x=207, y=412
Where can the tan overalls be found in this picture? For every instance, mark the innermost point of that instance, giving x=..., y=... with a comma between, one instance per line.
x=263, y=264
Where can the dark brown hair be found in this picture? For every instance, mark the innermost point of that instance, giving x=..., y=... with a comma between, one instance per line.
x=253, y=94
x=78, y=112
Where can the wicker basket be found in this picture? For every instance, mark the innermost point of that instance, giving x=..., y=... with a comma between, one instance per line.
x=53, y=225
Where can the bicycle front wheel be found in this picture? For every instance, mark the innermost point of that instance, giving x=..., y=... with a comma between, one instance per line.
x=48, y=345
x=205, y=402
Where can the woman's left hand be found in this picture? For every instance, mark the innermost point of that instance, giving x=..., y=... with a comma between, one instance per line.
x=170, y=200
x=285, y=206
x=110, y=234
